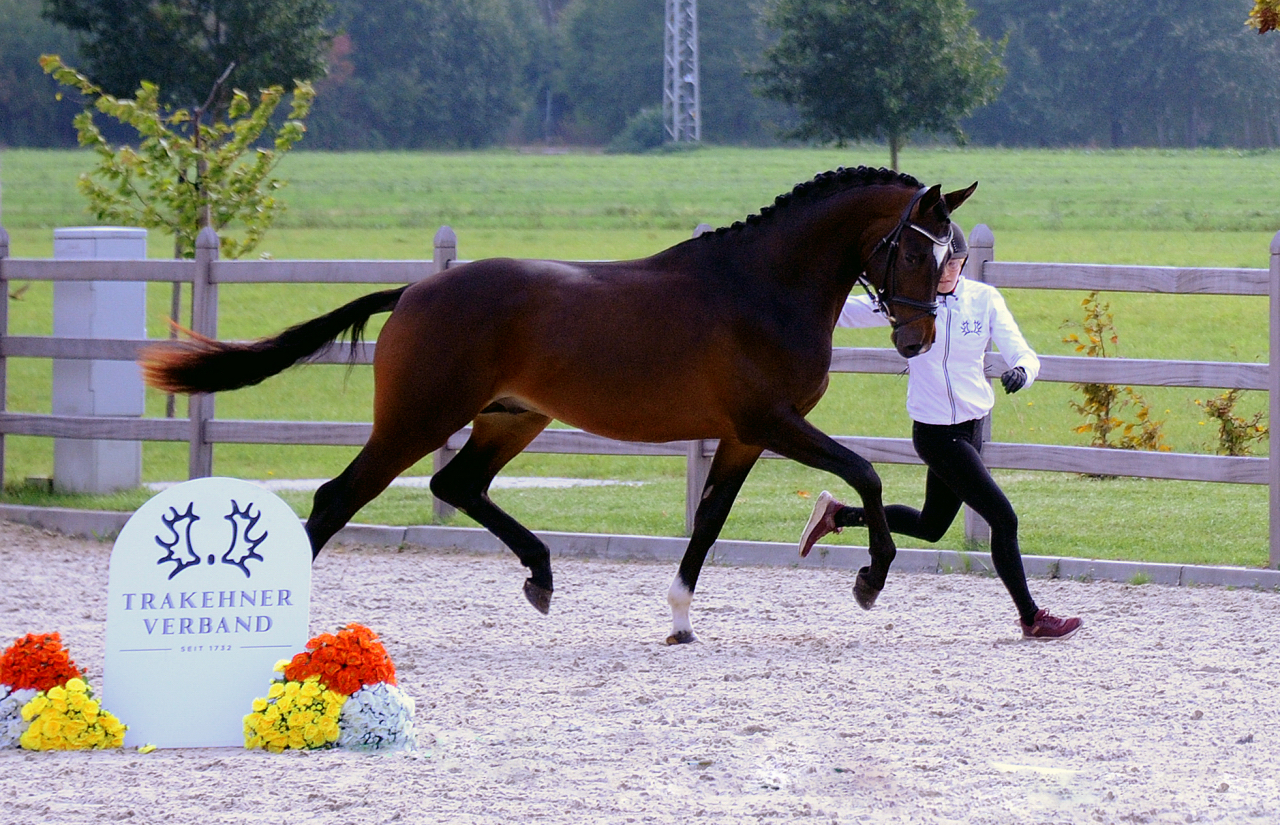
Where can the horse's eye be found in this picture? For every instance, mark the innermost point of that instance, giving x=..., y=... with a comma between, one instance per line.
x=914, y=260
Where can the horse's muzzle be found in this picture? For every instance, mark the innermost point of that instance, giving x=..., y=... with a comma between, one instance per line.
x=910, y=340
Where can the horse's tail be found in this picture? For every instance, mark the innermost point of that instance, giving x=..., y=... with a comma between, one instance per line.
x=205, y=365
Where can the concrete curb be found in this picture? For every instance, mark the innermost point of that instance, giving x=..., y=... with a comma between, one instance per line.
x=105, y=524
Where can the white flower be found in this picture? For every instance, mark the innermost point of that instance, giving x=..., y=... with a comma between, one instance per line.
x=377, y=718
x=11, y=725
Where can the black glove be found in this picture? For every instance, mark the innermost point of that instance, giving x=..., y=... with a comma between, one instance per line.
x=1014, y=380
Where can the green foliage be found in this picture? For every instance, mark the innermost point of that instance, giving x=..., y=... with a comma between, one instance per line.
x=1235, y=432
x=1159, y=73
x=1103, y=403
x=185, y=174
x=427, y=73
x=613, y=68
x=877, y=69
x=180, y=46
x=614, y=64
x=28, y=114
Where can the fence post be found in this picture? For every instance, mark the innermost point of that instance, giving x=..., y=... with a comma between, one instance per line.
x=4, y=334
x=445, y=252
x=1273, y=388
x=204, y=321
x=697, y=464
x=982, y=248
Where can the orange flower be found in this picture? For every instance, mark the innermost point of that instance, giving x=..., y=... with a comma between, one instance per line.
x=344, y=662
x=37, y=661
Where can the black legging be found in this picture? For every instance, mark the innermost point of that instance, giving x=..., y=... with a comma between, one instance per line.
x=953, y=454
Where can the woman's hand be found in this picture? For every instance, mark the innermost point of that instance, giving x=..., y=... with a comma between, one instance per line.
x=1014, y=380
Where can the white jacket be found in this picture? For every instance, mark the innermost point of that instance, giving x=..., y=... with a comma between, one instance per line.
x=946, y=385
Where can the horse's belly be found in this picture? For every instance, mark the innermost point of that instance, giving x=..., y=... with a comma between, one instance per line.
x=629, y=416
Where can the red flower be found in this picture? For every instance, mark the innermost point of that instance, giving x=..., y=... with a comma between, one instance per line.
x=344, y=662
x=37, y=661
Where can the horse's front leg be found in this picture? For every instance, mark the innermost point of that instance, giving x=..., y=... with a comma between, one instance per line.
x=729, y=468
x=790, y=435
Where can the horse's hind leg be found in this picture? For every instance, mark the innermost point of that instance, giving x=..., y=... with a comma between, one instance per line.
x=729, y=470
x=497, y=436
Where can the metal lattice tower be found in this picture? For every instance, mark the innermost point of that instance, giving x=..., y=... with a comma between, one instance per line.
x=681, y=101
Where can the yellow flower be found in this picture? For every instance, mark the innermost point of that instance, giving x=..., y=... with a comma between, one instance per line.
x=275, y=691
x=259, y=705
x=77, y=685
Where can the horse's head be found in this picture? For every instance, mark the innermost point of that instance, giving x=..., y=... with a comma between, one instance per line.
x=905, y=265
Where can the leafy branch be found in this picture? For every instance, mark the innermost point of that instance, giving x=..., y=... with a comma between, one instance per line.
x=1265, y=15
x=186, y=174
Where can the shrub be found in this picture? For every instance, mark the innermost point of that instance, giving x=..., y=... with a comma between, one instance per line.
x=644, y=132
x=1234, y=432
x=1103, y=403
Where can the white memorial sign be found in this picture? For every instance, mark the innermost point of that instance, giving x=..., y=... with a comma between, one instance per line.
x=210, y=586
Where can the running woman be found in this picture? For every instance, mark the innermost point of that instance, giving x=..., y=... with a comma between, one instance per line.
x=948, y=395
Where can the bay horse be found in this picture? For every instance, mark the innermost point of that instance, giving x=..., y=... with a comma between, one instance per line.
x=725, y=336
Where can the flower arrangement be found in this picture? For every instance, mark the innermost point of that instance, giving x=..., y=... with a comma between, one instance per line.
x=340, y=692
x=298, y=715
x=67, y=717
x=12, y=725
x=378, y=718
x=37, y=661
x=45, y=703
x=345, y=662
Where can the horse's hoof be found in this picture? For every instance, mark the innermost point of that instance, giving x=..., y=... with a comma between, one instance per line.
x=539, y=597
x=681, y=637
x=864, y=593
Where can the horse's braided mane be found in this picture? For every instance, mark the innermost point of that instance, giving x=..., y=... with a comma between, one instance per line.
x=824, y=185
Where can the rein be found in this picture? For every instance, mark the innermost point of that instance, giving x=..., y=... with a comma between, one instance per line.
x=884, y=296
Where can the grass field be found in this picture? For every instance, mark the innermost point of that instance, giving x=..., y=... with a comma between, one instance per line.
x=1201, y=208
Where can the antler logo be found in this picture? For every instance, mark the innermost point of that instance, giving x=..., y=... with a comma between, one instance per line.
x=242, y=550
x=171, y=521
x=242, y=521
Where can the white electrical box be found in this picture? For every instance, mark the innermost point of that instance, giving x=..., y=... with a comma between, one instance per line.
x=98, y=309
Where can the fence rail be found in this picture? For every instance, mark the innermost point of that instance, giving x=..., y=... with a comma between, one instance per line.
x=202, y=429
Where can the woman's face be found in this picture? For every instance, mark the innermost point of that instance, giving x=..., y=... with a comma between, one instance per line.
x=950, y=274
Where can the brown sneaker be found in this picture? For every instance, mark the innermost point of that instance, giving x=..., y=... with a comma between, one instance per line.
x=1049, y=627
x=821, y=522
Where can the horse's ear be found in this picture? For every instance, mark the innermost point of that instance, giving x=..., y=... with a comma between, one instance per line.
x=954, y=199
x=929, y=200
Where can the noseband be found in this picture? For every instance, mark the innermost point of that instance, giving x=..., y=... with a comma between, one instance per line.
x=885, y=295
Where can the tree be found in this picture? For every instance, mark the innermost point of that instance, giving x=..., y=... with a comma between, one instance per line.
x=185, y=173
x=614, y=64
x=877, y=68
x=1164, y=73
x=614, y=67
x=182, y=46
x=29, y=114
x=442, y=73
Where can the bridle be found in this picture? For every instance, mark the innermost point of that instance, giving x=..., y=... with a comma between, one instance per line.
x=885, y=295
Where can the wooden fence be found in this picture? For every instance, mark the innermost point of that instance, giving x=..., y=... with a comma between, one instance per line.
x=201, y=429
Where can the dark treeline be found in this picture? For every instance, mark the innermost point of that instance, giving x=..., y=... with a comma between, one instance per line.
x=468, y=73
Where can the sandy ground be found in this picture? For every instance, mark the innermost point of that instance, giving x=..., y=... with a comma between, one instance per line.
x=794, y=706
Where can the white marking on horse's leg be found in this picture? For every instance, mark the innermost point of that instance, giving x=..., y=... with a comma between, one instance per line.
x=680, y=597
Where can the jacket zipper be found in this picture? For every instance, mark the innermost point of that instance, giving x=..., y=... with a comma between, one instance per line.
x=946, y=354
